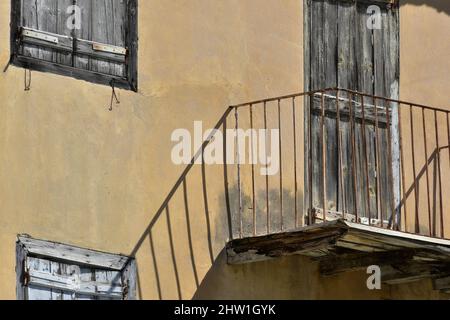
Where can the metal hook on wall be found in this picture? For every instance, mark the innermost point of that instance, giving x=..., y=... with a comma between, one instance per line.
x=113, y=96
x=8, y=64
x=27, y=82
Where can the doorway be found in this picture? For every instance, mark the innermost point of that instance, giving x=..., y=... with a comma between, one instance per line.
x=353, y=147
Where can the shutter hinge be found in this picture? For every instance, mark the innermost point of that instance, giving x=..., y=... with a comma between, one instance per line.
x=39, y=35
x=109, y=48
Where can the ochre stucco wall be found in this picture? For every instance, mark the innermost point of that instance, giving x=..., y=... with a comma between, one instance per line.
x=73, y=172
x=424, y=79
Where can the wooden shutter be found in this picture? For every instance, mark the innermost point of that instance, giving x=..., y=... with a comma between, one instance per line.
x=343, y=52
x=52, y=280
x=103, y=50
x=43, y=31
x=103, y=31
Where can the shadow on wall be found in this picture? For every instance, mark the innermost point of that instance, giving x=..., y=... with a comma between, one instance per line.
x=218, y=225
x=204, y=209
x=430, y=176
x=166, y=215
x=167, y=263
x=183, y=246
x=439, y=5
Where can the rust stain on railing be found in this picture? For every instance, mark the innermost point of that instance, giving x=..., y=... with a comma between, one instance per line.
x=369, y=173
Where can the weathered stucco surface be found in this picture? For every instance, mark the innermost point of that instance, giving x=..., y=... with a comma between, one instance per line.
x=73, y=172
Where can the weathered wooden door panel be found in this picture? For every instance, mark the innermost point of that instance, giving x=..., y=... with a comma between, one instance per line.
x=344, y=52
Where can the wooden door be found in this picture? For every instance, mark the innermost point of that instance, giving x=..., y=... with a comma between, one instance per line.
x=342, y=51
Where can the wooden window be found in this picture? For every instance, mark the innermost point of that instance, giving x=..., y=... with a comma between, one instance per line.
x=51, y=271
x=90, y=40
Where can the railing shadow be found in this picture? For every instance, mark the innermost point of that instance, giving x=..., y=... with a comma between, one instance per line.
x=439, y=5
x=412, y=193
x=164, y=211
x=233, y=202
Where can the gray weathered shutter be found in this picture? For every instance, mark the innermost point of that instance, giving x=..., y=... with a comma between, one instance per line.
x=43, y=31
x=345, y=53
x=51, y=280
x=100, y=44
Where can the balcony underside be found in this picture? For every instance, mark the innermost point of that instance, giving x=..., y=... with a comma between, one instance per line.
x=342, y=246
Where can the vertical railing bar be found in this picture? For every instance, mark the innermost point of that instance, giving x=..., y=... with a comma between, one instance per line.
x=253, y=170
x=378, y=164
x=267, y=176
x=295, y=162
x=225, y=178
x=390, y=162
x=416, y=198
x=281, y=165
x=427, y=171
x=238, y=158
x=341, y=194
x=448, y=133
x=353, y=142
x=439, y=172
x=155, y=263
x=344, y=193
x=366, y=163
x=324, y=161
x=402, y=165
x=310, y=163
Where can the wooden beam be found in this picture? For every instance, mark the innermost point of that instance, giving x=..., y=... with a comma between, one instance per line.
x=288, y=243
x=442, y=284
x=129, y=279
x=358, y=261
x=341, y=246
x=21, y=255
x=90, y=76
x=87, y=257
x=413, y=271
x=278, y=250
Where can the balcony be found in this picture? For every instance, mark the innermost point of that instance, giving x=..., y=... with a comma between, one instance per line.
x=348, y=179
x=361, y=181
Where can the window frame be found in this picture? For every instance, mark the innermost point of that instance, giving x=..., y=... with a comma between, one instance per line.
x=56, y=252
x=130, y=82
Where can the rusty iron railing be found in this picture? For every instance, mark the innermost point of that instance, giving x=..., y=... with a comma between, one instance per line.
x=403, y=152
x=364, y=158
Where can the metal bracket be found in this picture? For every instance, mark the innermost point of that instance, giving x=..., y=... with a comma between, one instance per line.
x=39, y=35
x=109, y=48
